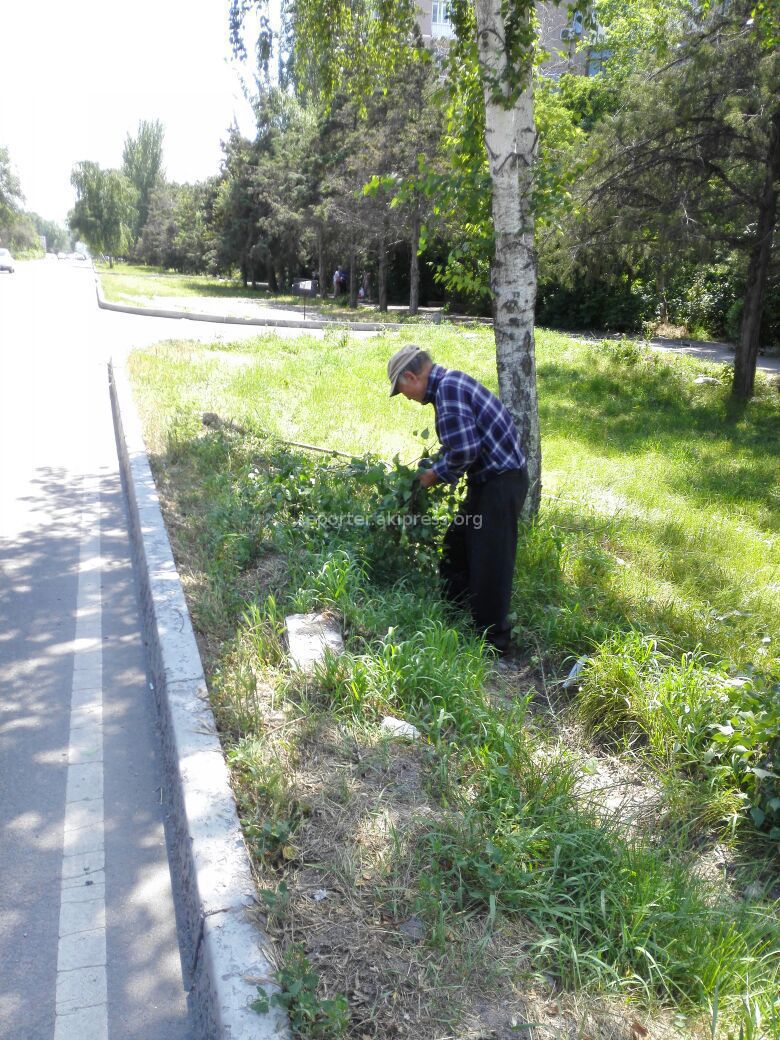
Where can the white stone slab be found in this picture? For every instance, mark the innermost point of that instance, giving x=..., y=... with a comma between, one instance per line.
x=82, y=950
x=85, y=781
x=84, y=814
x=399, y=728
x=86, y=1023
x=310, y=636
x=77, y=890
x=83, y=841
x=81, y=866
x=86, y=916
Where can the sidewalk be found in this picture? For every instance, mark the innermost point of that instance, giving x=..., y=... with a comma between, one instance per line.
x=245, y=312
x=704, y=350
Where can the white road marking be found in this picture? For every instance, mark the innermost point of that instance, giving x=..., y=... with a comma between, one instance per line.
x=82, y=990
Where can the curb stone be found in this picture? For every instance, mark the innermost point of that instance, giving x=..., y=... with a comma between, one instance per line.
x=221, y=319
x=225, y=954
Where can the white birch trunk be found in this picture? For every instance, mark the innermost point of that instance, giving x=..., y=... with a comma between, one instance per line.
x=510, y=137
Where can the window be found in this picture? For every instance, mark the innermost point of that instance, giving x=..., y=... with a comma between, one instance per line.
x=440, y=19
x=573, y=31
x=596, y=61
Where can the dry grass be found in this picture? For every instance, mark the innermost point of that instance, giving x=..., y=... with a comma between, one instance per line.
x=344, y=887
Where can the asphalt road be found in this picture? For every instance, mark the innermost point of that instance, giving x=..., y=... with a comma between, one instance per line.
x=88, y=939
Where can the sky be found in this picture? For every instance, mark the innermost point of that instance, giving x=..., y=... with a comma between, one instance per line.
x=76, y=77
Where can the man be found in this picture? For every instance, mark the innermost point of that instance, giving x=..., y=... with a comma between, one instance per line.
x=478, y=440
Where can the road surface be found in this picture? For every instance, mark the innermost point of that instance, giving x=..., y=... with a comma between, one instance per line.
x=88, y=940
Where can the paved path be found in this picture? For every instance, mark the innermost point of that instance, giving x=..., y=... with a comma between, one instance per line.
x=88, y=940
x=229, y=308
x=719, y=353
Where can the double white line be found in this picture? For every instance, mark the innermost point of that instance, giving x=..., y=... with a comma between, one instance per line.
x=82, y=993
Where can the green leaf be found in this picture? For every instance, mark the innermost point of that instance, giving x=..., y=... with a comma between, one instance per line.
x=764, y=774
x=726, y=731
x=261, y=1005
x=758, y=815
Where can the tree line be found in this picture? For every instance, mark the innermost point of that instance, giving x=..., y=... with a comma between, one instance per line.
x=21, y=231
x=648, y=191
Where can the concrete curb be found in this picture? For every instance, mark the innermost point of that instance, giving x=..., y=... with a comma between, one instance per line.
x=225, y=953
x=221, y=319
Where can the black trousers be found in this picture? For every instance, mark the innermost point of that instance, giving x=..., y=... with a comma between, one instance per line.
x=478, y=553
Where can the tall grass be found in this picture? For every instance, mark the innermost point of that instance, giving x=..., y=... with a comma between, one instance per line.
x=643, y=558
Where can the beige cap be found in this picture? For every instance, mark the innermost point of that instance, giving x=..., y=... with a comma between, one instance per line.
x=399, y=363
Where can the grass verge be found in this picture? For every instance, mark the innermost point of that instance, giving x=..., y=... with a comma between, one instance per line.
x=142, y=286
x=461, y=884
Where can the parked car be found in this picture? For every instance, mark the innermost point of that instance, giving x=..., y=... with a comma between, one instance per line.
x=7, y=261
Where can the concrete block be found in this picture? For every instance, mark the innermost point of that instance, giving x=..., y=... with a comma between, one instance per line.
x=233, y=965
x=310, y=636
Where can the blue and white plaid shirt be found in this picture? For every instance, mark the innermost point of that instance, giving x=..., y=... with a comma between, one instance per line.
x=477, y=434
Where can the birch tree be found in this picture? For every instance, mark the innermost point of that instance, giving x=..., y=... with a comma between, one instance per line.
x=355, y=46
x=505, y=36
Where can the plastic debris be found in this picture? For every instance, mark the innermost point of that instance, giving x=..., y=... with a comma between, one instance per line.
x=572, y=677
x=399, y=728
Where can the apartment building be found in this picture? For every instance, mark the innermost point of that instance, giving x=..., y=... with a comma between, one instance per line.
x=560, y=33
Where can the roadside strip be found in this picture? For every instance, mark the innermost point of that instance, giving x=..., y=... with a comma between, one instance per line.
x=281, y=323
x=705, y=351
x=225, y=953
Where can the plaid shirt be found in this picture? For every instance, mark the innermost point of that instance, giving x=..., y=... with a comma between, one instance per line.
x=477, y=434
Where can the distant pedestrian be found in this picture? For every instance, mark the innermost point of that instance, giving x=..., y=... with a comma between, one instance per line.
x=336, y=282
x=479, y=441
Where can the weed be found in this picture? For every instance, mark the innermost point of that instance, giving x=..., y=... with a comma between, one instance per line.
x=688, y=715
x=311, y=1016
x=660, y=533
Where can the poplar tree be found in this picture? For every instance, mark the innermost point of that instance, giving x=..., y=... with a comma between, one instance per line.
x=142, y=165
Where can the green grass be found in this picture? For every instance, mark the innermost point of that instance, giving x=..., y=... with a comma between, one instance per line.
x=656, y=552
x=129, y=283
x=661, y=504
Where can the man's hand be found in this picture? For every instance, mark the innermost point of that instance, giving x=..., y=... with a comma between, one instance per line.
x=426, y=477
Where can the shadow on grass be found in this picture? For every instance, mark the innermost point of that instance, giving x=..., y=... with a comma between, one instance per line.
x=573, y=590
x=730, y=450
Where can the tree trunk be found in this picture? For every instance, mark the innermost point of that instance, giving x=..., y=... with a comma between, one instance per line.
x=353, y=282
x=321, y=262
x=510, y=138
x=414, y=270
x=660, y=285
x=272, y=283
x=382, y=272
x=758, y=269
